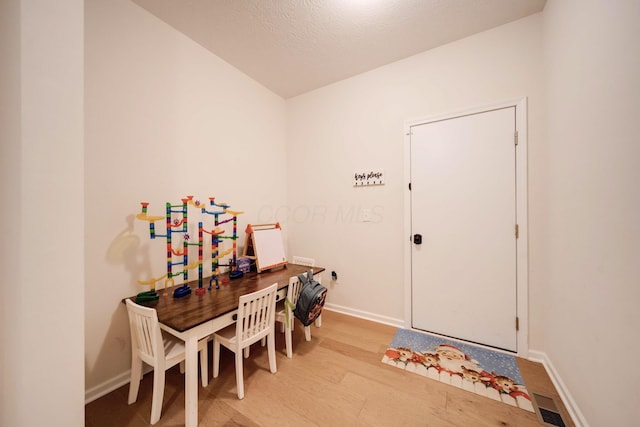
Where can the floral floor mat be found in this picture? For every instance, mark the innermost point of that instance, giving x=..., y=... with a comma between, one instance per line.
x=488, y=373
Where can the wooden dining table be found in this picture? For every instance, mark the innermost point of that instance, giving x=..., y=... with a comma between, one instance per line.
x=193, y=317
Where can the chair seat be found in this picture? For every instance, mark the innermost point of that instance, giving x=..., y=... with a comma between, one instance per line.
x=227, y=334
x=281, y=312
x=173, y=348
x=281, y=316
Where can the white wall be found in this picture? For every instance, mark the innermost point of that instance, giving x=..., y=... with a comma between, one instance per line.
x=591, y=232
x=41, y=102
x=164, y=119
x=359, y=123
x=10, y=180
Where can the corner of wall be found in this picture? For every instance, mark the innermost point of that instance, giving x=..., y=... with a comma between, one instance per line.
x=571, y=405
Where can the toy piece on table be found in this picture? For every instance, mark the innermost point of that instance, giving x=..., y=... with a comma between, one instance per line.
x=147, y=296
x=150, y=295
x=244, y=265
x=235, y=272
x=182, y=291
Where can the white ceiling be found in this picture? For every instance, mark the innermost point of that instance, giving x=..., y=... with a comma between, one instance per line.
x=294, y=46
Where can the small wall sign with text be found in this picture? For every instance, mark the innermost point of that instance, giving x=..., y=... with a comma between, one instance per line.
x=375, y=177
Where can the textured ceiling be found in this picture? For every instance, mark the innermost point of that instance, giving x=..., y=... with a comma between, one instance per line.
x=294, y=46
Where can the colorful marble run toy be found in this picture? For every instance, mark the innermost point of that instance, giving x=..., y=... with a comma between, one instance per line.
x=176, y=225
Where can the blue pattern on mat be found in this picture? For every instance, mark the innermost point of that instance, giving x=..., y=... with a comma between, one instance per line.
x=490, y=361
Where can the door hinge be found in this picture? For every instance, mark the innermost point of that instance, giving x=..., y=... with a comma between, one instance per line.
x=515, y=137
x=517, y=231
x=517, y=323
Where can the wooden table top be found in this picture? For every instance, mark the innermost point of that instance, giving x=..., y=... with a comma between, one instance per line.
x=192, y=310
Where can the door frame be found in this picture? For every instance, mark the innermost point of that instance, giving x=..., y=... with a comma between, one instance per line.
x=522, y=254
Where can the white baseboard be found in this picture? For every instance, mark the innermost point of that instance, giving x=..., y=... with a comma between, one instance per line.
x=573, y=409
x=398, y=323
x=110, y=385
x=106, y=387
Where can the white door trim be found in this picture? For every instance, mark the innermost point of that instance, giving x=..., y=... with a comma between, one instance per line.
x=522, y=256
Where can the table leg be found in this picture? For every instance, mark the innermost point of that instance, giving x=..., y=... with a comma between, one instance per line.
x=191, y=381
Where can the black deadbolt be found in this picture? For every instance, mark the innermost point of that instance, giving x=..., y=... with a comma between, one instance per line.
x=417, y=239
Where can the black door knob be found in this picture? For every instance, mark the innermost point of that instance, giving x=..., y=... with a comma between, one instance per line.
x=417, y=239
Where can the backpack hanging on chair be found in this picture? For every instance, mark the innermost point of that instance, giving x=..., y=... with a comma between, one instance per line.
x=311, y=299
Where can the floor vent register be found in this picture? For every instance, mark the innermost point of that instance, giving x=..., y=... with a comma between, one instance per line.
x=547, y=410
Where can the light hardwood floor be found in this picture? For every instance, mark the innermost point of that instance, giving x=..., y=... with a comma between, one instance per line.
x=336, y=379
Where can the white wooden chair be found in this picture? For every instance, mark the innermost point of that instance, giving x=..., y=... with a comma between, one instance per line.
x=309, y=262
x=161, y=351
x=255, y=321
x=285, y=315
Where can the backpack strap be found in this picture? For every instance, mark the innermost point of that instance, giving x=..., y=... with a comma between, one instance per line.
x=304, y=282
x=303, y=279
x=291, y=306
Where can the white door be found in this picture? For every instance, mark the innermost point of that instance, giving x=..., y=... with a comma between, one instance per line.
x=463, y=205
